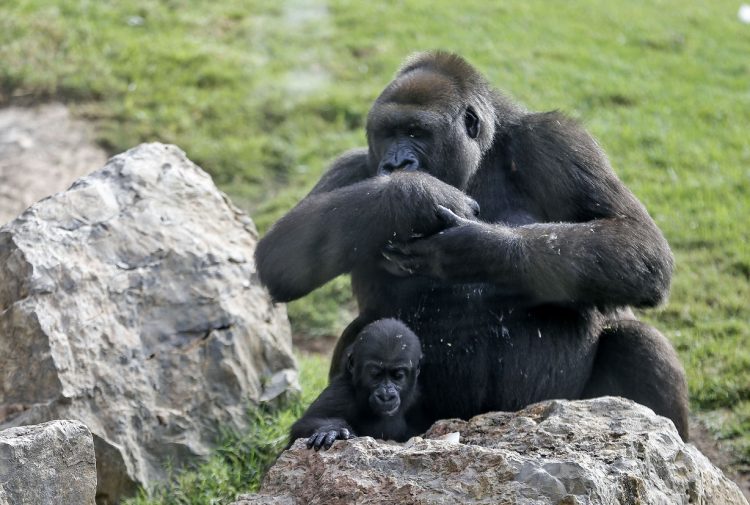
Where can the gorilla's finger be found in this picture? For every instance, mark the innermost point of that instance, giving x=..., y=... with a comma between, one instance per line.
x=394, y=256
x=403, y=251
x=413, y=265
x=413, y=253
x=330, y=438
x=474, y=207
x=404, y=262
x=392, y=268
x=310, y=441
x=397, y=264
x=345, y=434
x=319, y=439
x=449, y=217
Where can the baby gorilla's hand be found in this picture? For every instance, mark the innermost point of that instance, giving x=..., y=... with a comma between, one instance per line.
x=326, y=435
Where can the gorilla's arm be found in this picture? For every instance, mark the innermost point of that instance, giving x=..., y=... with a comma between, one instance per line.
x=326, y=419
x=318, y=239
x=602, y=262
x=347, y=218
x=598, y=244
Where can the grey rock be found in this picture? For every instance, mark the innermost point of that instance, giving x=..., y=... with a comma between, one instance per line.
x=601, y=451
x=47, y=464
x=131, y=303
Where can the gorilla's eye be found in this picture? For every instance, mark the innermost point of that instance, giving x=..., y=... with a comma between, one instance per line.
x=373, y=371
x=471, y=120
x=399, y=374
x=413, y=131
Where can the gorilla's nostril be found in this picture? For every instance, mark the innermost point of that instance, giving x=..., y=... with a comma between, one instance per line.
x=404, y=164
x=408, y=164
x=386, y=397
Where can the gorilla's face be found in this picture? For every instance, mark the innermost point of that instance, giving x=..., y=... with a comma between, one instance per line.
x=384, y=366
x=421, y=122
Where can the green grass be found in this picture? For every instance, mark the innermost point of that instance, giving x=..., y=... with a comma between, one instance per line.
x=240, y=459
x=263, y=96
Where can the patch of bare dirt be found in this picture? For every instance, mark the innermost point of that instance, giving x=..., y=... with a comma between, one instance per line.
x=42, y=151
x=701, y=438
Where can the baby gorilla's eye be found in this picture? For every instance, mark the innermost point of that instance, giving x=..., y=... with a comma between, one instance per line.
x=373, y=372
x=399, y=374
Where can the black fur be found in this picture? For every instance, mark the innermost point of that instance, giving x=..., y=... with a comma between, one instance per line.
x=375, y=393
x=506, y=242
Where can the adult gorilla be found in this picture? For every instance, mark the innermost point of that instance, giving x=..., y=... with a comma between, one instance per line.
x=531, y=300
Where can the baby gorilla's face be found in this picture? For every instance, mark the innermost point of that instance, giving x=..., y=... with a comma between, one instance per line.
x=384, y=365
x=385, y=384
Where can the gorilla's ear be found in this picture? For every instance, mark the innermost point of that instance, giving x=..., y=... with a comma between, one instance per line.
x=471, y=120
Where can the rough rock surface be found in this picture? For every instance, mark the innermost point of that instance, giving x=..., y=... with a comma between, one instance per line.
x=601, y=451
x=47, y=464
x=131, y=303
x=42, y=151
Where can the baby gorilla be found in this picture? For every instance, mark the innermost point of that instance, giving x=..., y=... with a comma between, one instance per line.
x=375, y=394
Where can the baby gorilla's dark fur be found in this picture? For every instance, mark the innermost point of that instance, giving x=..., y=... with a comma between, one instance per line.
x=375, y=393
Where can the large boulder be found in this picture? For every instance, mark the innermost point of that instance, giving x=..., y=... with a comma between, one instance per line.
x=46, y=464
x=601, y=451
x=131, y=302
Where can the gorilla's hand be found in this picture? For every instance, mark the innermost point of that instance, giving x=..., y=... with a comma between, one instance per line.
x=326, y=435
x=415, y=199
x=455, y=253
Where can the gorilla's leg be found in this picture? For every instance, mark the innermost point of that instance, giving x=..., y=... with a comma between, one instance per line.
x=637, y=362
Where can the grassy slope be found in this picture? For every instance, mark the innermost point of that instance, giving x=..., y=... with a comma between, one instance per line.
x=263, y=96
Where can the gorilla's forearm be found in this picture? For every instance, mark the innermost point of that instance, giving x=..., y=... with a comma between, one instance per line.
x=328, y=233
x=320, y=239
x=619, y=261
